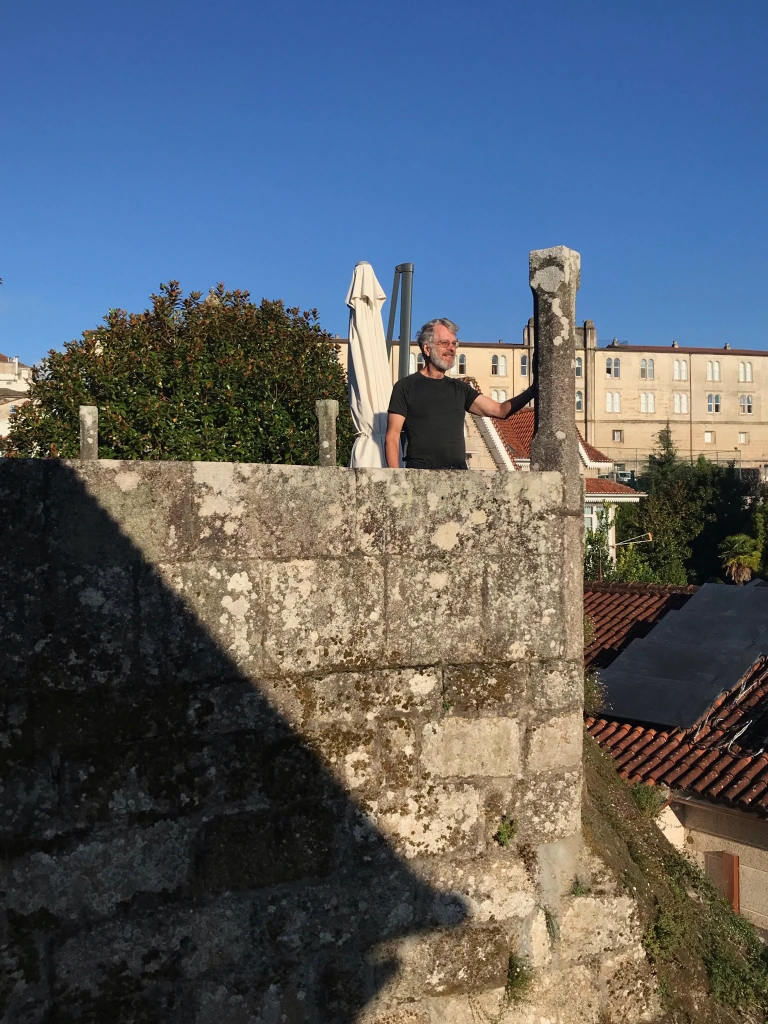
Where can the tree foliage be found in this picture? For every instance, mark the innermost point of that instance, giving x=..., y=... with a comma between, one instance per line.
x=631, y=565
x=690, y=509
x=740, y=555
x=214, y=379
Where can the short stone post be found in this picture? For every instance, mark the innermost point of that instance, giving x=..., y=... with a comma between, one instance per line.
x=89, y=432
x=327, y=414
x=554, y=278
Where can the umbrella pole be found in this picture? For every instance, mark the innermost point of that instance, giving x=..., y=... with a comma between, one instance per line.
x=392, y=311
x=406, y=299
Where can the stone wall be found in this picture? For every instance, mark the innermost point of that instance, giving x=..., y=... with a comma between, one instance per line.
x=261, y=726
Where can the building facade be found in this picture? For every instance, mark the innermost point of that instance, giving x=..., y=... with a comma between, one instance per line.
x=14, y=382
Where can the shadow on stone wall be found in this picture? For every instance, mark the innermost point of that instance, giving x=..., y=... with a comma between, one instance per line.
x=173, y=850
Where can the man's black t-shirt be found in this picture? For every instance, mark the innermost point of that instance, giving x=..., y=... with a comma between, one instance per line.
x=434, y=419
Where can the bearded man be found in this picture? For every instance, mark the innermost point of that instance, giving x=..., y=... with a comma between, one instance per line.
x=430, y=406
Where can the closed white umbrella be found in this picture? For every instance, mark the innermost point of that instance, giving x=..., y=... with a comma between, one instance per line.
x=370, y=380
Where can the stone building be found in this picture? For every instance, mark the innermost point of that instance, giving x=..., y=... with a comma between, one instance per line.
x=624, y=394
x=14, y=381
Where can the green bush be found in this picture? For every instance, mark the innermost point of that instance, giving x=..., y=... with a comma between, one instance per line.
x=649, y=799
x=215, y=379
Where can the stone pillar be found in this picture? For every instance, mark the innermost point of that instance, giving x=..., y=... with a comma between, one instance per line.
x=327, y=413
x=554, y=278
x=89, y=432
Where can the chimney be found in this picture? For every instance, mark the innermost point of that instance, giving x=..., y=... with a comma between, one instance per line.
x=674, y=344
x=727, y=345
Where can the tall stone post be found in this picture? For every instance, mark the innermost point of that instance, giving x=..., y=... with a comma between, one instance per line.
x=89, y=432
x=554, y=278
x=327, y=414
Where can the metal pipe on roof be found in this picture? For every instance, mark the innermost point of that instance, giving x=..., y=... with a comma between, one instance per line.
x=406, y=301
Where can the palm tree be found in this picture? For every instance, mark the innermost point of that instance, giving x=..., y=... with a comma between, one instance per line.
x=740, y=556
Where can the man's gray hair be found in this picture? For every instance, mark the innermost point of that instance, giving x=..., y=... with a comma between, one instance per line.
x=427, y=332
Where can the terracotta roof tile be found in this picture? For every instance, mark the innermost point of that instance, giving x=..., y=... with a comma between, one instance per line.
x=601, y=485
x=722, y=759
x=620, y=612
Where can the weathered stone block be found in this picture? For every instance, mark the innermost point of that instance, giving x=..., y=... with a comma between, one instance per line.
x=481, y=514
x=549, y=806
x=251, y=851
x=96, y=876
x=556, y=743
x=429, y=820
x=557, y=685
x=488, y=689
x=522, y=617
x=87, y=630
x=109, y=512
x=471, y=747
x=23, y=484
x=346, y=697
x=596, y=925
x=534, y=942
x=421, y=594
x=323, y=614
x=201, y=622
x=465, y=959
x=629, y=988
x=492, y=890
x=261, y=512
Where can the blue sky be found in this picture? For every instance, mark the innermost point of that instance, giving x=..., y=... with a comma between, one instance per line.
x=272, y=146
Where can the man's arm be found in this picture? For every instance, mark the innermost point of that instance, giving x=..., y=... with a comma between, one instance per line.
x=395, y=424
x=485, y=406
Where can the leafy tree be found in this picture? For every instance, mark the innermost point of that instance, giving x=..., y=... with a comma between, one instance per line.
x=740, y=555
x=631, y=565
x=214, y=379
x=690, y=509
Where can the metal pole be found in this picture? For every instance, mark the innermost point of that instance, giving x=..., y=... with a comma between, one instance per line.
x=392, y=311
x=406, y=299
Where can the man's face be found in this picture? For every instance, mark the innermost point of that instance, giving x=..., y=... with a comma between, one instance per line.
x=442, y=348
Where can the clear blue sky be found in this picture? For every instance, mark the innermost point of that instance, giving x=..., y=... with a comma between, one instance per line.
x=272, y=146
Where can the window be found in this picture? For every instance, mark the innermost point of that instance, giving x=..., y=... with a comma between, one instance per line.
x=709, y=437
x=745, y=404
x=502, y=366
x=713, y=403
x=716, y=370
x=495, y=396
x=743, y=437
x=502, y=396
x=616, y=368
x=494, y=366
x=609, y=401
x=612, y=368
x=579, y=401
x=651, y=370
x=616, y=401
x=681, y=401
x=420, y=361
x=709, y=370
x=749, y=372
x=589, y=517
x=680, y=371
x=618, y=436
x=742, y=373
x=676, y=370
x=412, y=363
x=647, y=401
x=643, y=369
x=579, y=366
x=523, y=366
x=683, y=370
x=462, y=364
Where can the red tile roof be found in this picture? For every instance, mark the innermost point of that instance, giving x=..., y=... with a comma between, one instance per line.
x=516, y=432
x=593, y=454
x=619, y=612
x=723, y=759
x=601, y=485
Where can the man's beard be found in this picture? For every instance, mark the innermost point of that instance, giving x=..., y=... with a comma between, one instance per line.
x=441, y=364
